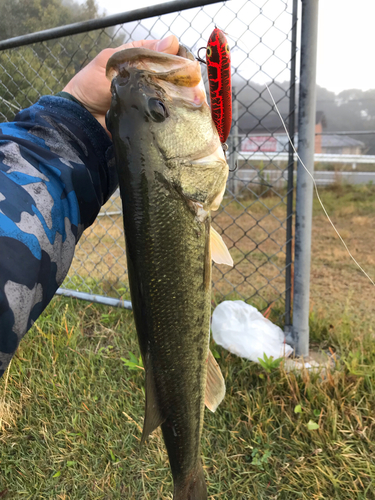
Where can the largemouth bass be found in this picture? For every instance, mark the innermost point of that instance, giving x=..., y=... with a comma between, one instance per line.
x=172, y=173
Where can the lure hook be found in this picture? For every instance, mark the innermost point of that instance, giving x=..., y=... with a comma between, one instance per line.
x=224, y=145
x=199, y=57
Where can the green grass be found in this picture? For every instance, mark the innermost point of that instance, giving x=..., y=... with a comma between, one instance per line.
x=73, y=412
x=343, y=199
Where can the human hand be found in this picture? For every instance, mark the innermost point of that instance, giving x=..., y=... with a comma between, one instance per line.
x=92, y=88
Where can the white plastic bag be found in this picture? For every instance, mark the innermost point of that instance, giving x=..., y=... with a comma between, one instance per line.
x=244, y=331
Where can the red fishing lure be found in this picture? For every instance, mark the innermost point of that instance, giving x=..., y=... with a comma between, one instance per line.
x=219, y=77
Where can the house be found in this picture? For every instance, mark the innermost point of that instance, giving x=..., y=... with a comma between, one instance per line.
x=341, y=145
x=270, y=136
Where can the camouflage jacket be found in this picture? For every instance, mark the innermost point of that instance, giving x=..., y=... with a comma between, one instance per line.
x=56, y=171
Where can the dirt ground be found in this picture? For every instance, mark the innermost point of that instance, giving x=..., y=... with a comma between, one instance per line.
x=336, y=282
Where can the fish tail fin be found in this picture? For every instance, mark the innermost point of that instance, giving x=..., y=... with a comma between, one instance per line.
x=194, y=488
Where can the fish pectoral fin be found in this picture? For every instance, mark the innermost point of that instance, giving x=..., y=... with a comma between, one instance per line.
x=153, y=416
x=219, y=251
x=215, y=386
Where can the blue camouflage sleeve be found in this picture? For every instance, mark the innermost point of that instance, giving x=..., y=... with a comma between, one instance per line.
x=56, y=171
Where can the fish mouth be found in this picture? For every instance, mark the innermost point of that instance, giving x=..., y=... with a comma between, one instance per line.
x=178, y=75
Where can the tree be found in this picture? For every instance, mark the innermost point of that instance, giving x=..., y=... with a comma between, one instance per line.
x=350, y=110
x=19, y=17
x=43, y=68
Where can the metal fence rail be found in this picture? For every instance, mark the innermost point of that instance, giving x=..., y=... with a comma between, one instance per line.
x=255, y=219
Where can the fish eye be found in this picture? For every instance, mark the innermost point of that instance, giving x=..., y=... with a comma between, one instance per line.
x=227, y=49
x=209, y=52
x=157, y=110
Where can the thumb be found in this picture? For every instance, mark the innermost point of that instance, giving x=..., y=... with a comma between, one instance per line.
x=169, y=45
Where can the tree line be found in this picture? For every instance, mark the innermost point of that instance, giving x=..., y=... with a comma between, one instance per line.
x=43, y=68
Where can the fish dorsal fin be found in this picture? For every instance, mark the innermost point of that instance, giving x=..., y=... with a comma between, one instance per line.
x=219, y=251
x=215, y=386
x=153, y=417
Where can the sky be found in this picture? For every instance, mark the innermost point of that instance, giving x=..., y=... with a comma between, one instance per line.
x=346, y=44
x=346, y=40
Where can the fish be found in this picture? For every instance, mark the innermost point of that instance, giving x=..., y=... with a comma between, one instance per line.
x=172, y=173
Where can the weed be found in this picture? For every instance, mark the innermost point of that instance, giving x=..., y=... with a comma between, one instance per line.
x=268, y=363
x=133, y=363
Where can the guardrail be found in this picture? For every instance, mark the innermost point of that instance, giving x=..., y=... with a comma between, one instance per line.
x=279, y=178
x=318, y=157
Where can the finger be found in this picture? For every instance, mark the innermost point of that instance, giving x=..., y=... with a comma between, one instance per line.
x=169, y=45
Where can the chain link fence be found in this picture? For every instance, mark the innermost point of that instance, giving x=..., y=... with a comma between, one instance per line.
x=257, y=209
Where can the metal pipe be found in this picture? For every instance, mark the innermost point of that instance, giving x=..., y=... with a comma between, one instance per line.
x=106, y=214
x=104, y=22
x=304, y=199
x=107, y=301
x=289, y=201
x=234, y=143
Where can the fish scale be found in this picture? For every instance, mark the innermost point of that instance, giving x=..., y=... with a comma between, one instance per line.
x=168, y=281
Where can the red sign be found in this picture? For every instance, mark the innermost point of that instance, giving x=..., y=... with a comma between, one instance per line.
x=263, y=143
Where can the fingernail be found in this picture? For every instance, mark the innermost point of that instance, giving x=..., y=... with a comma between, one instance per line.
x=164, y=44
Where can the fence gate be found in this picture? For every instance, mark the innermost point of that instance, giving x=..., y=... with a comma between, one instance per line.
x=256, y=215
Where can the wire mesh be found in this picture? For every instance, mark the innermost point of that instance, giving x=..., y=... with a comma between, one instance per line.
x=253, y=215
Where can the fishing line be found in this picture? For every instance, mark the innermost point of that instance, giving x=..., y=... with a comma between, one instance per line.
x=317, y=193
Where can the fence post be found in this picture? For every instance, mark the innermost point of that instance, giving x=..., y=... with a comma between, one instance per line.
x=304, y=192
x=290, y=186
x=233, y=146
